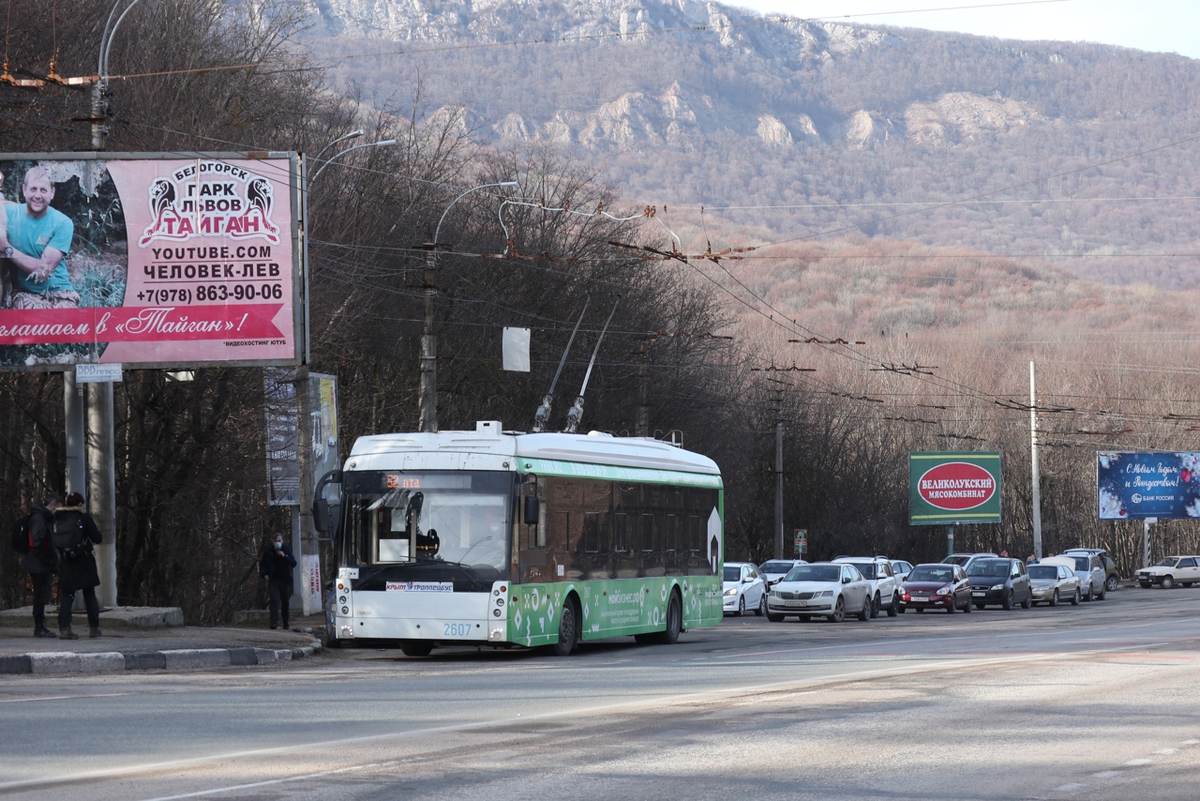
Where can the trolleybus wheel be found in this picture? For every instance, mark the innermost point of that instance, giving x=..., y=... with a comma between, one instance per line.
x=567, y=629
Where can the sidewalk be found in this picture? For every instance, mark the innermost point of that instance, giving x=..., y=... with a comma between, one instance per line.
x=141, y=638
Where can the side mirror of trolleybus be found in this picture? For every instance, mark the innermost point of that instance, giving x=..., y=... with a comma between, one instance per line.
x=532, y=509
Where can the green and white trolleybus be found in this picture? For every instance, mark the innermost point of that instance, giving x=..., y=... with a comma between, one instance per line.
x=488, y=537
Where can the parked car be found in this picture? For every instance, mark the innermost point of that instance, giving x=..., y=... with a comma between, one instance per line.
x=775, y=569
x=1053, y=583
x=936, y=586
x=901, y=569
x=965, y=559
x=1093, y=579
x=1000, y=580
x=821, y=589
x=1112, y=579
x=885, y=590
x=1167, y=572
x=744, y=589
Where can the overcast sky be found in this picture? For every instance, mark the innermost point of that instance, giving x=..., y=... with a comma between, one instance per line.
x=1168, y=26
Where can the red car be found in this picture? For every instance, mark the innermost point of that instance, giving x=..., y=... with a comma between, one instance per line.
x=936, y=586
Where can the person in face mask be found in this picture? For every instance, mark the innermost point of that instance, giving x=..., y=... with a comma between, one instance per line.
x=276, y=567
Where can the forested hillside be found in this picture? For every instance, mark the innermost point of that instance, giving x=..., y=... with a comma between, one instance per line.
x=1083, y=155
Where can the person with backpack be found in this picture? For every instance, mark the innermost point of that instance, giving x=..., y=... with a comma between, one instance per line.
x=75, y=535
x=275, y=566
x=41, y=561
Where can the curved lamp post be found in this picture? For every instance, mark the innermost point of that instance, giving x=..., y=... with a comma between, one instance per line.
x=427, y=396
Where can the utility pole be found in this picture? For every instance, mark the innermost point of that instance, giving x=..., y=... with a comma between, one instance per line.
x=1035, y=474
x=779, y=474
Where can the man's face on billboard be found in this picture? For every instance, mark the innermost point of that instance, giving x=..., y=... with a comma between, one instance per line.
x=38, y=191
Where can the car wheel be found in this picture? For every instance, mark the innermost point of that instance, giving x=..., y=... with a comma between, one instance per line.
x=901, y=609
x=950, y=610
x=1008, y=600
x=741, y=606
x=762, y=605
x=774, y=618
x=1054, y=598
x=1090, y=595
x=1103, y=592
x=567, y=631
x=967, y=606
x=1112, y=583
x=1075, y=598
x=1167, y=582
x=1144, y=584
x=980, y=606
x=864, y=614
x=805, y=618
x=1028, y=602
x=1185, y=583
x=875, y=605
x=920, y=610
x=894, y=609
x=839, y=612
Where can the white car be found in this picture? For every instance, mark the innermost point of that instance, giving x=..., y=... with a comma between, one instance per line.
x=1170, y=571
x=776, y=569
x=820, y=589
x=885, y=589
x=901, y=569
x=744, y=589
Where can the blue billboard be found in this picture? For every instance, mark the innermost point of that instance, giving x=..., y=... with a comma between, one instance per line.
x=1135, y=486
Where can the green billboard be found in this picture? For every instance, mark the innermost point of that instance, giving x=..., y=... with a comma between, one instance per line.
x=947, y=488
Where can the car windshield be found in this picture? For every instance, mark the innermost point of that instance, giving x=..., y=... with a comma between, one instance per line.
x=733, y=572
x=776, y=567
x=988, y=567
x=814, y=573
x=943, y=574
x=866, y=568
x=1168, y=562
x=1043, y=572
x=1082, y=562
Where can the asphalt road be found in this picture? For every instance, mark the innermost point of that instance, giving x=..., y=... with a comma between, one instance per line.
x=1097, y=701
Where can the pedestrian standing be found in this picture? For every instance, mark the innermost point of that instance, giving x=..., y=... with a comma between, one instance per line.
x=42, y=560
x=76, y=534
x=276, y=567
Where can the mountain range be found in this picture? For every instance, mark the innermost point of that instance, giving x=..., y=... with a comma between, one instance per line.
x=745, y=130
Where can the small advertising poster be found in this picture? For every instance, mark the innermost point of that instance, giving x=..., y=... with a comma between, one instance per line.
x=948, y=488
x=149, y=261
x=1138, y=486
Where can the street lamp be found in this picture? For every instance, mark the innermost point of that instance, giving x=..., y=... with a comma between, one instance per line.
x=305, y=185
x=427, y=396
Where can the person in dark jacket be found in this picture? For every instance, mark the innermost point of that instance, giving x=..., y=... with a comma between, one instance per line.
x=77, y=566
x=276, y=567
x=42, y=560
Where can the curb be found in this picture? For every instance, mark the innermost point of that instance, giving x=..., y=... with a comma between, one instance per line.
x=68, y=663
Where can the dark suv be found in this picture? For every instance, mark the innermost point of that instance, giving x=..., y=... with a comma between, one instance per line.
x=999, y=580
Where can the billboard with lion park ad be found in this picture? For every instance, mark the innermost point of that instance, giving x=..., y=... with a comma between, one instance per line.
x=945, y=488
x=149, y=260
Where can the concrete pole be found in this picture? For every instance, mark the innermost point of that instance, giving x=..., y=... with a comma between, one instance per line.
x=779, y=475
x=427, y=396
x=1035, y=474
x=102, y=496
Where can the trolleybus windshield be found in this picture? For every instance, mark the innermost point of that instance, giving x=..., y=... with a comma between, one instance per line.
x=410, y=518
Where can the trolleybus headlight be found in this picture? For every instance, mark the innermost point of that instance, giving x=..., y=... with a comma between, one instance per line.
x=342, y=600
x=496, y=612
x=345, y=610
